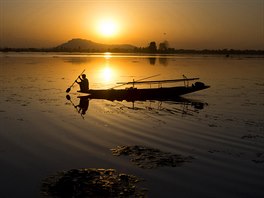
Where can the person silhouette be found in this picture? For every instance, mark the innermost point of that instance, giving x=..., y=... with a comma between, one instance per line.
x=84, y=83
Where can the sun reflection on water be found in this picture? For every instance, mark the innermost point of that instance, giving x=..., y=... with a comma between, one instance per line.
x=107, y=74
x=107, y=55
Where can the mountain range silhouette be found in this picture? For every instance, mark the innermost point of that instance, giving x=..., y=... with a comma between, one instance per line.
x=84, y=45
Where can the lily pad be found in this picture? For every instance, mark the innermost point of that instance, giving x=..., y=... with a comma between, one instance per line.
x=91, y=183
x=149, y=158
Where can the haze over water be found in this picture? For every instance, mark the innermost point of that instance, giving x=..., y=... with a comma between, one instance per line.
x=221, y=127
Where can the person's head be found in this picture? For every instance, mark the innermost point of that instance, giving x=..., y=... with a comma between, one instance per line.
x=83, y=76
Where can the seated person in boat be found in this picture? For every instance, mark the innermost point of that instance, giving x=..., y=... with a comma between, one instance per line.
x=84, y=83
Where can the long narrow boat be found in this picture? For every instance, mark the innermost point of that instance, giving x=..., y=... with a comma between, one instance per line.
x=159, y=93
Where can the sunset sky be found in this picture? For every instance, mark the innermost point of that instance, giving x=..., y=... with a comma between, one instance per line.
x=188, y=24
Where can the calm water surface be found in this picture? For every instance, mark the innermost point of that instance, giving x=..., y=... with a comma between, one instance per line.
x=221, y=127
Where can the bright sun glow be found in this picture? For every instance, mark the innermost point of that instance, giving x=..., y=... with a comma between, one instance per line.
x=107, y=28
x=107, y=55
x=107, y=74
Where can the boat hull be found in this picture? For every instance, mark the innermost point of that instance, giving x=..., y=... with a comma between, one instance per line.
x=133, y=94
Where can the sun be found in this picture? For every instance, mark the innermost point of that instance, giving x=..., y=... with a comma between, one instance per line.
x=107, y=28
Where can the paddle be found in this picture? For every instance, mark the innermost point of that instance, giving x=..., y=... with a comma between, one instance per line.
x=69, y=89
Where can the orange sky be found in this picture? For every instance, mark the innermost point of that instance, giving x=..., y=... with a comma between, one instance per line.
x=195, y=24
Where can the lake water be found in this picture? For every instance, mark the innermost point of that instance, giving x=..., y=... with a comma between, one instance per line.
x=222, y=127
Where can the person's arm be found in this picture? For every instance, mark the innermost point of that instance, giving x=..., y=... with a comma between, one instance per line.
x=77, y=79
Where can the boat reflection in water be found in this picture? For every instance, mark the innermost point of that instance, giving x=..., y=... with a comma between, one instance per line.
x=175, y=105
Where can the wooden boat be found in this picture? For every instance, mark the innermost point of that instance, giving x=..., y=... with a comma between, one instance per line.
x=159, y=93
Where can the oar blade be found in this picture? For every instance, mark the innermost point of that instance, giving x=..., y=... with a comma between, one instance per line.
x=68, y=97
x=68, y=90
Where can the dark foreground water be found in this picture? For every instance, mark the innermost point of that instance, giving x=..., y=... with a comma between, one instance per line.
x=41, y=132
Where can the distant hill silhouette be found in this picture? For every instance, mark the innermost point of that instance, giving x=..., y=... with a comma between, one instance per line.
x=90, y=46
